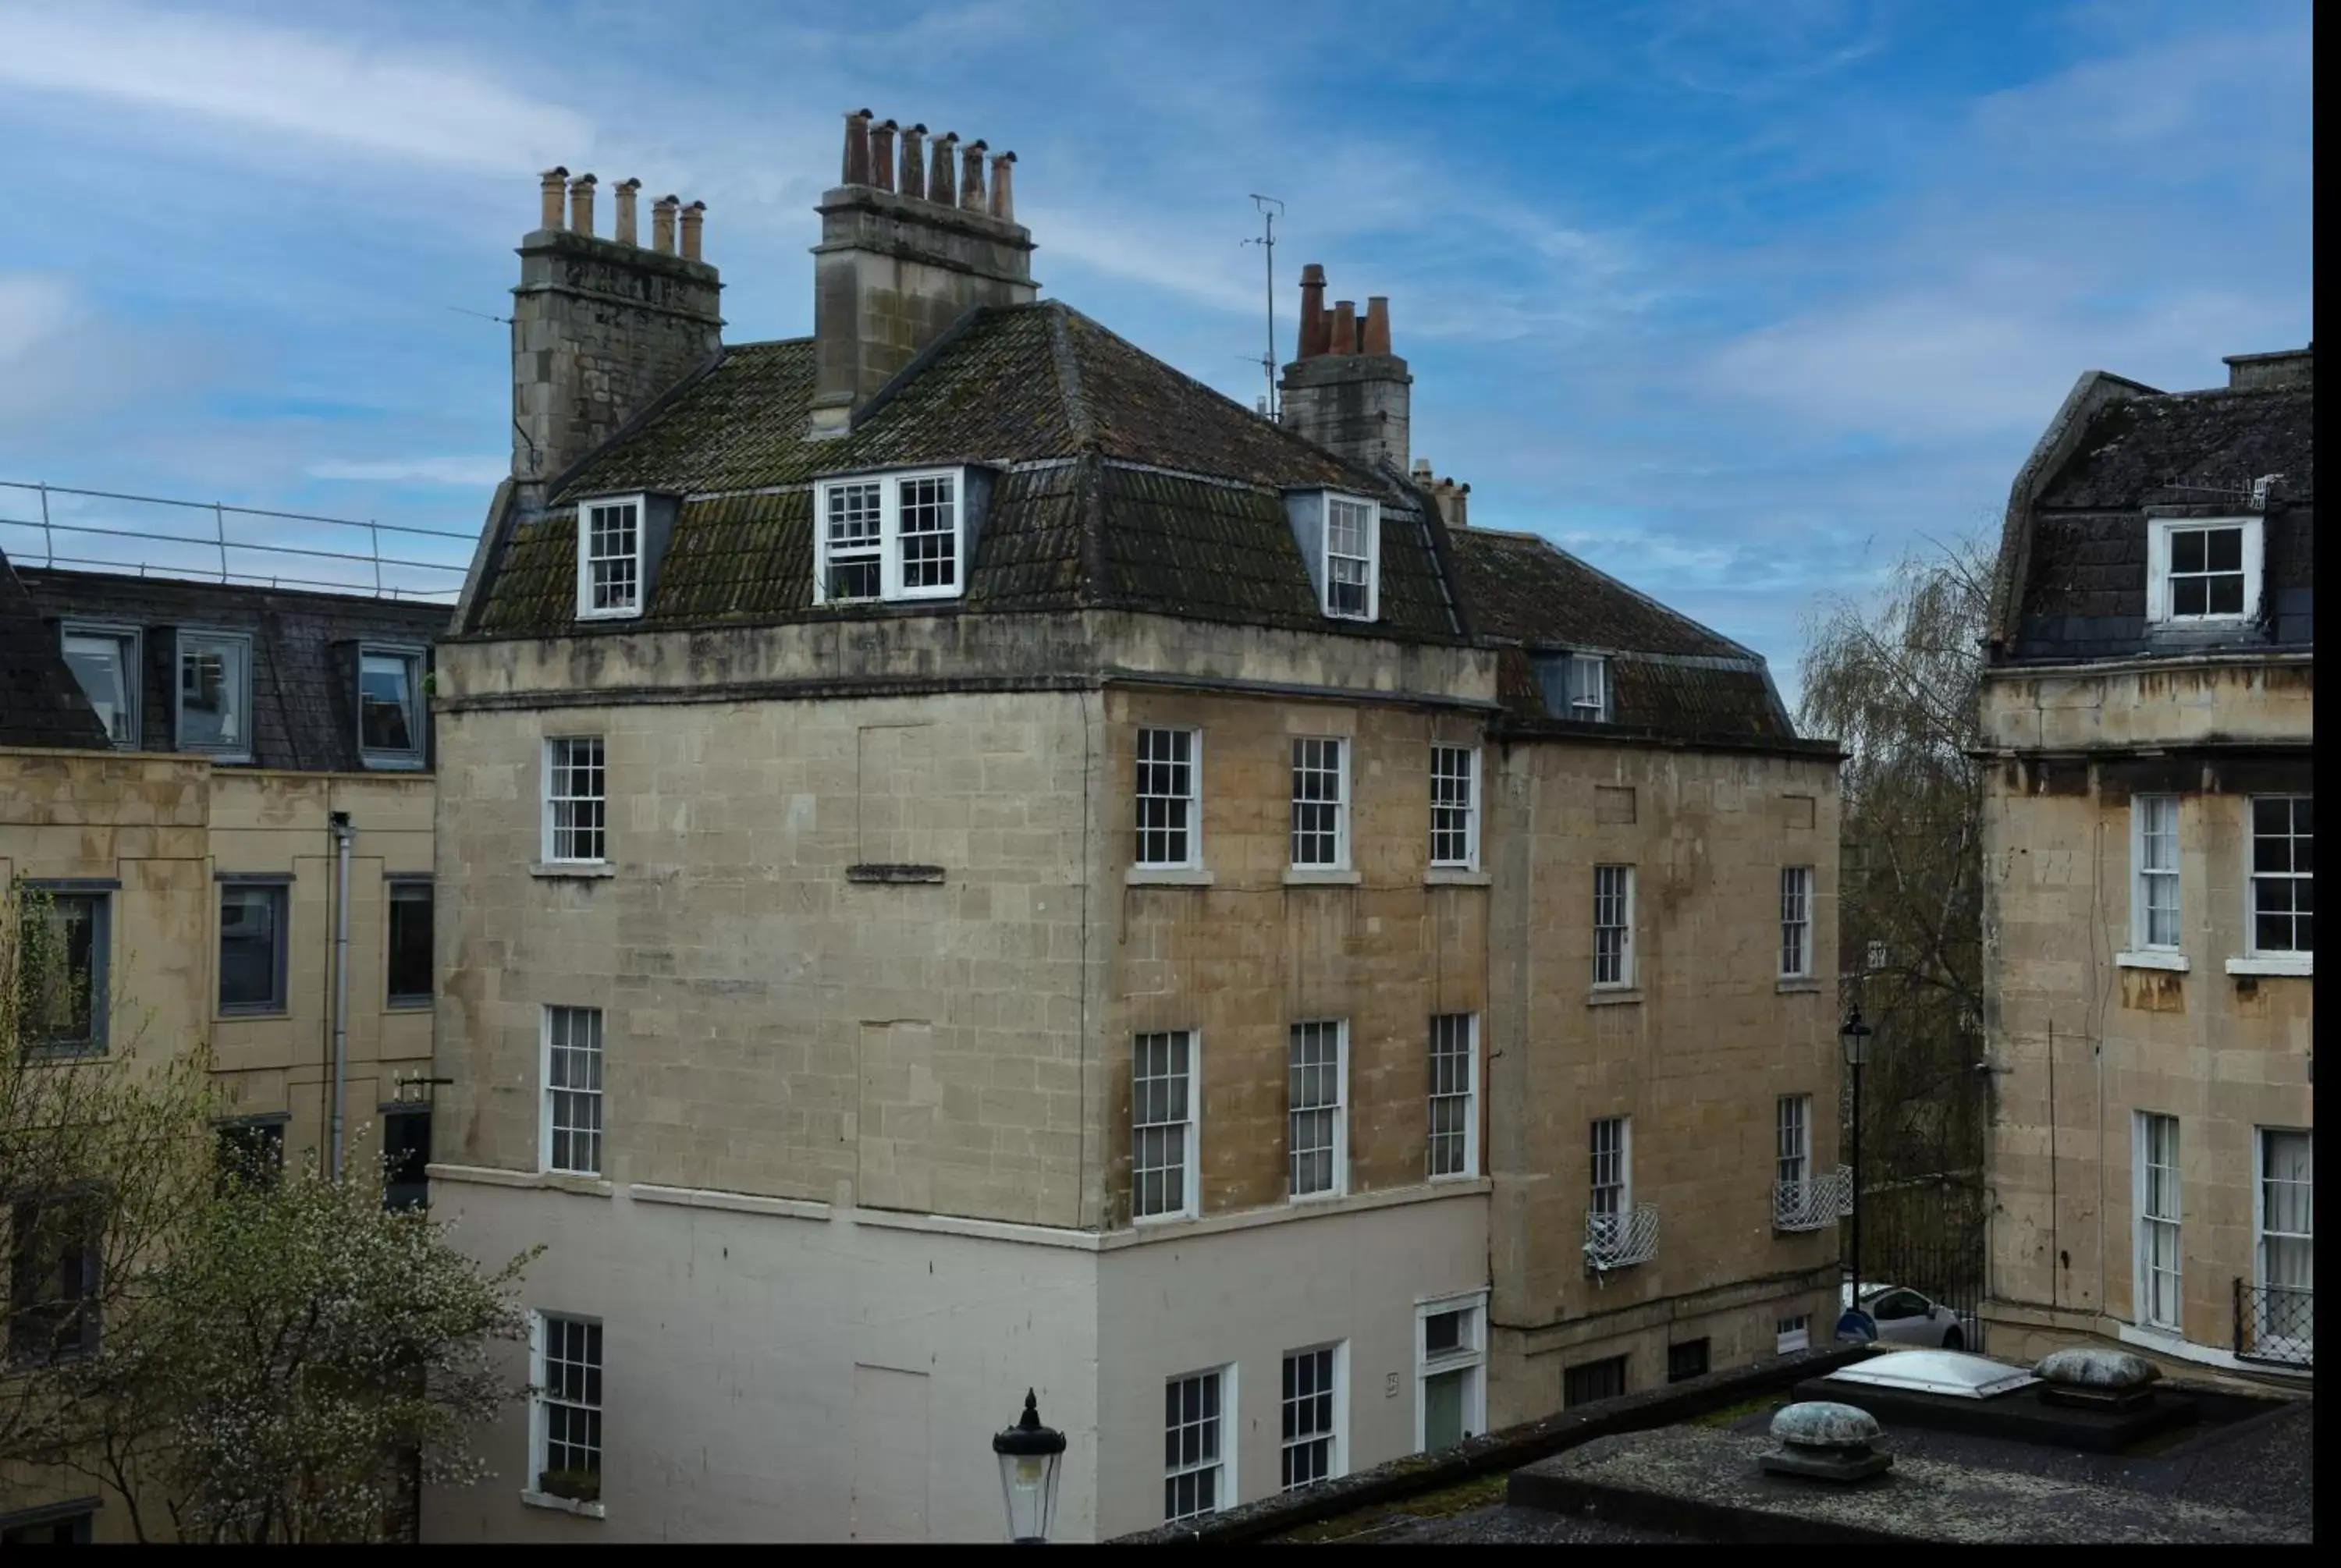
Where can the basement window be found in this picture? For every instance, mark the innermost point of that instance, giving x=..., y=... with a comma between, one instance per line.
x=892, y=537
x=2202, y=572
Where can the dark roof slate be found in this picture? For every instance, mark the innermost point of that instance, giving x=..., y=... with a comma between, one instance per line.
x=305, y=674
x=41, y=703
x=2184, y=448
x=1123, y=485
x=1666, y=672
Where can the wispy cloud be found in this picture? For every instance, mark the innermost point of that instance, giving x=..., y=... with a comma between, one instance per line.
x=470, y=471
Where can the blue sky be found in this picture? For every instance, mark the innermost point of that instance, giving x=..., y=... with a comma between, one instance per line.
x=1736, y=298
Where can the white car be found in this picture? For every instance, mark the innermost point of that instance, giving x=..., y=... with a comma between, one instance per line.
x=1906, y=1317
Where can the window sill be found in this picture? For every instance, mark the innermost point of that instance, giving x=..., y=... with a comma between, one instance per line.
x=65, y=1051
x=560, y=871
x=1795, y=985
x=1456, y=876
x=1614, y=996
x=2151, y=959
x=2301, y=964
x=245, y=1015
x=389, y=763
x=1319, y=877
x=408, y=1005
x=578, y=1506
x=1301, y=1200
x=1166, y=877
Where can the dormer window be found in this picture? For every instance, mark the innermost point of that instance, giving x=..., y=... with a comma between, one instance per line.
x=1576, y=686
x=2202, y=572
x=610, y=557
x=897, y=536
x=1340, y=538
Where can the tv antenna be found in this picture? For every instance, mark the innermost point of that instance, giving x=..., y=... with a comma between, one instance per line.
x=1269, y=210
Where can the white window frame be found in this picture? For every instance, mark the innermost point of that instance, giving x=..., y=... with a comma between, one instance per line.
x=2253, y=876
x=540, y=1396
x=2141, y=807
x=637, y=558
x=1338, y=1182
x=2158, y=606
x=1472, y=1359
x=1372, y=558
x=1336, y=1436
x=1339, y=803
x=1624, y=979
x=130, y=647
x=1599, y=664
x=2261, y=1236
x=1797, y=922
x=1191, y=1143
x=1192, y=800
x=548, y=1091
x=1224, y=1487
x=2142, y=1296
x=550, y=839
x=187, y=637
x=417, y=662
x=1624, y=1184
x=1792, y=1334
x=1468, y=1095
x=1442, y=773
x=890, y=586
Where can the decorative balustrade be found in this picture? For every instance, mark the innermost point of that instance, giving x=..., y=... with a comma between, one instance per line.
x=1818, y=1201
x=1622, y=1239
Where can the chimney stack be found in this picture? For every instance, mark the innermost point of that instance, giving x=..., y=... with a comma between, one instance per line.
x=556, y=181
x=600, y=327
x=623, y=229
x=1347, y=391
x=2285, y=368
x=581, y=204
x=905, y=250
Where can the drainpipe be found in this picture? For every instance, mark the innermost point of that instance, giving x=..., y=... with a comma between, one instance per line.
x=342, y=833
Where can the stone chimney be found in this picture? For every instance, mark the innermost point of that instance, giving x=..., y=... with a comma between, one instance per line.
x=2286, y=368
x=905, y=250
x=1452, y=500
x=600, y=327
x=1345, y=390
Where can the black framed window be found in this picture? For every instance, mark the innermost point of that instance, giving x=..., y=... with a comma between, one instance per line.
x=407, y=1153
x=54, y=1263
x=390, y=707
x=1604, y=1379
x=253, y=945
x=64, y=943
x=215, y=694
x=1687, y=1360
x=58, y=1525
x=251, y=1152
x=409, y=942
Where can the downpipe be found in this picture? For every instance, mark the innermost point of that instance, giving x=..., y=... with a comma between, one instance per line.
x=342, y=834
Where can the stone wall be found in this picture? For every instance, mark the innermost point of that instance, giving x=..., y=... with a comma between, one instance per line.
x=1697, y=1054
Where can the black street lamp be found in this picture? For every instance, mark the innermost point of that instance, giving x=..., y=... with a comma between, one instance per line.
x=1030, y=1455
x=1855, y=1037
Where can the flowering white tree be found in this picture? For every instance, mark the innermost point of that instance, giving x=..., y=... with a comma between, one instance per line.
x=304, y=1359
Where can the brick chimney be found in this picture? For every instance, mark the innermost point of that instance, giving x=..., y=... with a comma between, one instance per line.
x=1345, y=390
x=600, y=327
x=905, y=250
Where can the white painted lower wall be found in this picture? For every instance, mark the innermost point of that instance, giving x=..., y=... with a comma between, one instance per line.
x=795, y=1372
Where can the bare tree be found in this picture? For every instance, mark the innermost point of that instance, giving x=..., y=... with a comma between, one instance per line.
x=1897, y=682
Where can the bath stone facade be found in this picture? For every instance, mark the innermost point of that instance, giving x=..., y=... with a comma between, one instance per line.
x=2148, y=941
x=975, y=862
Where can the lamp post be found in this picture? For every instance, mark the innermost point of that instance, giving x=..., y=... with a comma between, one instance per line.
x=1029, y=1455
x=1855, y=1037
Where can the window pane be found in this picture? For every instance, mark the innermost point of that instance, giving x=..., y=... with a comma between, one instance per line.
x=386, y=705
x=251, y=940
x=1165, y=797
x=1316, y=802
x=60, y=960
x=2224, y=550
x=2187, y=550
x=1443, y=1397
x=853, y=523
x=613, y=564
x=410, y=941
x=926, y=524
x=215, y=691
x=102, y=665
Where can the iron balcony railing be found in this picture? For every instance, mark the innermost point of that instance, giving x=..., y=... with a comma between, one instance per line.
x=106, y=531
x=2276, y=1323
x=1815, y=1202
x=1621, y=1238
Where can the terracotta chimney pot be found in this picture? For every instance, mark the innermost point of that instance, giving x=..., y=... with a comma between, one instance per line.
x=881, y=155
x=1345, y=328
x=693, y=216
x=551, y=185
x=914, y=182
x=857, y=148
x=1314, y=327
x=623, y=229
x=943, y=187
x=581, y=204
x=970, y=176
x=1004, y=192
x=1374, y=335
x=663, y=224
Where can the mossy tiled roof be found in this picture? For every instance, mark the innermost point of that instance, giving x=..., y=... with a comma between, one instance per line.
x=1122, y=484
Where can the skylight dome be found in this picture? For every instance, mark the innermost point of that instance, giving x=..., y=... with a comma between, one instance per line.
x=1951, y=1373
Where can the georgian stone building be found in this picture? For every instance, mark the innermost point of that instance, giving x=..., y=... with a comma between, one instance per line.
x=969, y=861
x=2149, y=876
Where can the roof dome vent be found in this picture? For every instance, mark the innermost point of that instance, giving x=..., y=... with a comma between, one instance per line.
x=1825, y=1441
